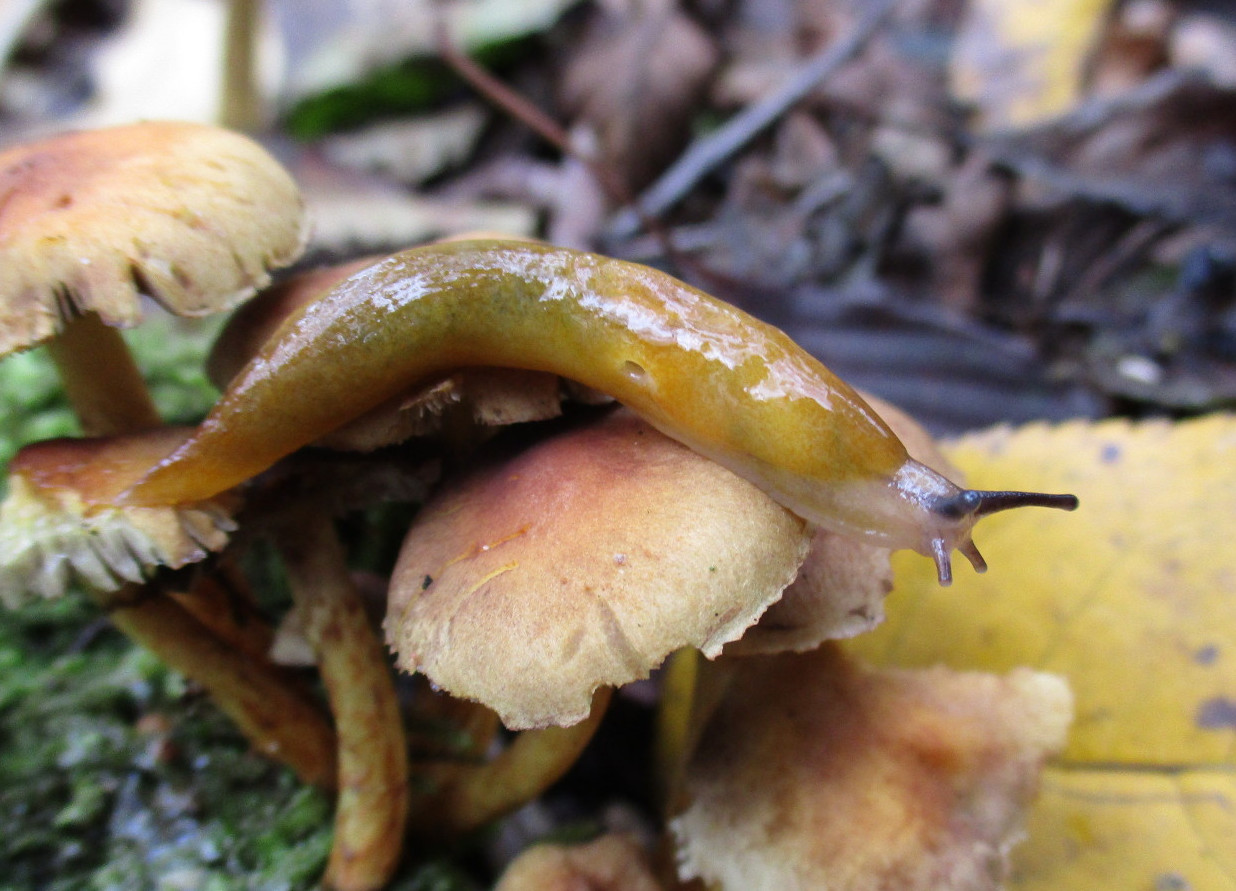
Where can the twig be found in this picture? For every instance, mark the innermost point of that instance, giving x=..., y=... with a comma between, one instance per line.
x=527, y=113
x=548, y=129
x=500, y=94
x=705, y=154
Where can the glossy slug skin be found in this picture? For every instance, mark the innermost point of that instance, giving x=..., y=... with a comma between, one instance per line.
x=704, y=373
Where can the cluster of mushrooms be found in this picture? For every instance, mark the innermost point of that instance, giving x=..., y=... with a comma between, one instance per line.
x=561, y=549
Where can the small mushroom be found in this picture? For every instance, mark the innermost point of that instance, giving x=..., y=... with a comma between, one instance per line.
x=57, y=525
x=51, y=532
x=580, y=563
x=190, y=215
x=818, y=772
x=609, y=863
x=90, y=222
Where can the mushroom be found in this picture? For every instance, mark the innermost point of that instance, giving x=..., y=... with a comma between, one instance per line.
x=48, y=534
x=581, y=563
x=534, y=584
x=819, y=772
x=610, y=863
x=190, y=215
x=50, y=537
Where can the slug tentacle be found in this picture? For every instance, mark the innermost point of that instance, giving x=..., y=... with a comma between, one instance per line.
x=730, y=387
x=962, y=509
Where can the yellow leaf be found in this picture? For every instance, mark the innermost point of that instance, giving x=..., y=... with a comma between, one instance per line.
x=1022, y=61
x=1109, y=829
x=1133, y=598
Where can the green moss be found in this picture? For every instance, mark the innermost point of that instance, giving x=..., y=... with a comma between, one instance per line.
x=404, y=88
x=115, y=773
x=169, y=351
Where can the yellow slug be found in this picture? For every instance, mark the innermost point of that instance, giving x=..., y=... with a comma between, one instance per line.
x=728, y=386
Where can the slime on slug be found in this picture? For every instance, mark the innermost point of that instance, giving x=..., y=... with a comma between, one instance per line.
x=730, y=387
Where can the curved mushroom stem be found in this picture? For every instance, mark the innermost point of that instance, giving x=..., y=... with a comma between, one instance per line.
x=691, y=689
x=968, y=506
x=373, y=760
x=471, y=796
x=103, y=384
x=278, y=716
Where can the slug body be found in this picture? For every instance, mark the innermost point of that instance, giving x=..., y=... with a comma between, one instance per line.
x=726, y=385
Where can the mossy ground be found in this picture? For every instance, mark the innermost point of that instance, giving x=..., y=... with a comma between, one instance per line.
x=115, y=773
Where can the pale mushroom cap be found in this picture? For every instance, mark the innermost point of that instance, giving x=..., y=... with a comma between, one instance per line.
x=192, y=215
x=816, y=772
x=584, y=562
x=839, y=593
x=609, y=863
x=52, y=536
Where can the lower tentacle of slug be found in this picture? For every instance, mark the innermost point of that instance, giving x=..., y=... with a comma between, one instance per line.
x=726, y=385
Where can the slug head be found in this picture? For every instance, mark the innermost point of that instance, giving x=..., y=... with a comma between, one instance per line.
x=951, y=513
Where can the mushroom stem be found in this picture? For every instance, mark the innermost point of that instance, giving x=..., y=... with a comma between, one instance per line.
x=373, y=762
x=691, y=689
x=673, y=721
x=471, y=796
x=222, y=601
x=240, y=104
x=101, y=379
x=110, y=397
x=278, y=716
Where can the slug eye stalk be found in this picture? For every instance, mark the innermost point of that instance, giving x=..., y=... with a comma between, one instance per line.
x=970, y=505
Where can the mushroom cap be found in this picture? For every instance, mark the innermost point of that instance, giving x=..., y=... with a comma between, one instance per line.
x=52, y=530
x=839, y=593
x=818, y=772
x=188, y=214
x=609, y=863
x=582, y=562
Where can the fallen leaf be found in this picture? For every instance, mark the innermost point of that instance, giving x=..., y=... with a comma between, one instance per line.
x=1133, y=598
x=1022, y=61
x=635, y=79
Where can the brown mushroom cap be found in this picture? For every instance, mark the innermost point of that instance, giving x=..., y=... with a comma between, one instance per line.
x=191, y=215
x=584, y=562
x=50, y=534
x=609, y=863
x=817, y=772
x=839, y=593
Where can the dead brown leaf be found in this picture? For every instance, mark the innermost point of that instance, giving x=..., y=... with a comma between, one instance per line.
x=634, y=79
